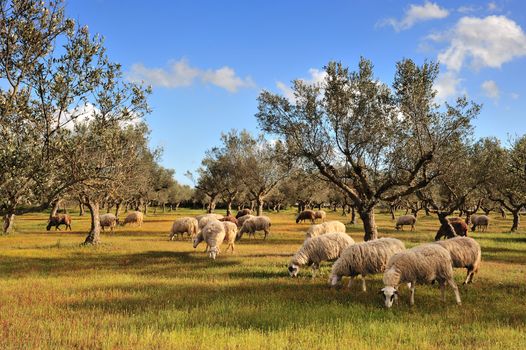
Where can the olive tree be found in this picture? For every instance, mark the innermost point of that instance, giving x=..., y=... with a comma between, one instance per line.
x=374, y=142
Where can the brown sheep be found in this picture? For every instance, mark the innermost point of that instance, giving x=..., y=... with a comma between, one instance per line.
x=229, y=219
x=460, y=228
x=59, y=219
x=306, y=215
x=243, y=212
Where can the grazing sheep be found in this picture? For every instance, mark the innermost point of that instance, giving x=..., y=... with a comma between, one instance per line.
x=205, y=220
x=317, y=249
x=326, y=227
x=135, y=217
x=108, y=220
x=244, y=218
x=306, y=215
x=481, y=221
x=423, y=264
x=258, y=223
x=366, y=258
x=217, y=216
x=213, y=234
x=320, y=214
x=59, y=219
x=184, y=225
x=230, y=234
x=405, y=220
x=465, y=252
x=454, y=227
x=230, y=219
x=243, y=212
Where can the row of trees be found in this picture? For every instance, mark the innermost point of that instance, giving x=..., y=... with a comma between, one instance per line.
x=70, y=124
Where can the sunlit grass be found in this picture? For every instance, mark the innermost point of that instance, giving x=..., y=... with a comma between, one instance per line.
x=138, y=290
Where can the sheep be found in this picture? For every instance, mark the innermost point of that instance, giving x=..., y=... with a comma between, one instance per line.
x=465, y=252
x=481, y=221
x=243, y=212
x=244, y=218
x=454, y=227
x=366, y=258
x=183, y=225
x=135, y=217
x=59, y=219
x=423, y=264
x=205, y=220
x=317, y=249
x=213, y=234
x=320, y=229
x=320, y=214
x=230, y=234
x=108, y=220
x=258, y=223
x=306, y=215
x=217, y=216
x=230, y=219
x=405, y=220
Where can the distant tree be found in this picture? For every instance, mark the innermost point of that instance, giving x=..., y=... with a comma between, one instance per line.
x=374, y=143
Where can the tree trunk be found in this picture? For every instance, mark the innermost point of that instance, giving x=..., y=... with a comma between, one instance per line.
x=81, y=208
x=259, y=206
x=369, y=224
x=94, y=234
x=54, y=208
x=353, y=215
x=9, y=220
x=344, y=212
x=229, y=207
x=117, y=208
x=392, y=210
x=502, y=213
x=516, y=220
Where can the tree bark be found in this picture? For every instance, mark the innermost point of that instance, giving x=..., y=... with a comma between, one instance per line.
x=8, y=225
x=94, y=234
x=392, y=210
x=353, y=215
x=229, y=207
x=81, y=208
x=117, y=208
x=54, y=208
x=516, y=220
x=502, y=213
x=369, y=224
x=259, y=206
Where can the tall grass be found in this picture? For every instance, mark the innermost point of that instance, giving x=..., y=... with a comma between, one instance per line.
x=137, y=290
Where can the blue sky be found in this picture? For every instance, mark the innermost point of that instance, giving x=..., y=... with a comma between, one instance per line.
x=208, y=60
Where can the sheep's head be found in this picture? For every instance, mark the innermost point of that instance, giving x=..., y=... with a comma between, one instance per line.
x=390, y=295
x=213, y=252
x=197, y=239
x=293, y=270
x=334, y=280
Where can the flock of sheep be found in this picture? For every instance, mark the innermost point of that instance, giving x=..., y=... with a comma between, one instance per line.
x=424, y=264
x=106, y=220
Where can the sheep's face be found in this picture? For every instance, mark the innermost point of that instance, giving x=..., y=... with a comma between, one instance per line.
x=197, y=240
x=213, y=252
x=390, y=295
x=293, y=270
x=334, y=280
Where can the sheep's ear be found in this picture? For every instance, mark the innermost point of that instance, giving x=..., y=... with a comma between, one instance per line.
x=396, y=292
x=381, y=291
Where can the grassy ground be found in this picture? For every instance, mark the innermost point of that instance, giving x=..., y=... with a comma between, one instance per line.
x=138, y=290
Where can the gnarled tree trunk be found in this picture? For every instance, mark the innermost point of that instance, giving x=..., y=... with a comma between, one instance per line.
x=8, y=224
x=369, y=223
x=259, y=206
x=516, y=220
x=94, y=234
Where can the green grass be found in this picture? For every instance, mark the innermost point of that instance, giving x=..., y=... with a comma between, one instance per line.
x=138, y=290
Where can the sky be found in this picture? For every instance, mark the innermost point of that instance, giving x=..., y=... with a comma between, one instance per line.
x=207, y=61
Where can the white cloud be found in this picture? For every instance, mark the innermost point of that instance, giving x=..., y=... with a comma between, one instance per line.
x=181, y=74
x=447, y=85
x=317, y=77
x=514, y=96
x=491, y=89
x=468, y=9
x=485, y=42
x=417, y=13
x=492, y=6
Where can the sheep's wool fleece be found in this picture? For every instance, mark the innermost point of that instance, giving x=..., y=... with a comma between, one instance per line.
x=107, y=219
x=230, y=231
x=329, y=226
x=214, y=233
x=244, y=218
x=322, y=248
x=464, y=251
x=406, y=220
x=185, y=224
x=367, y=258
x=135, y=216
x=257, y=223
x=422, y=264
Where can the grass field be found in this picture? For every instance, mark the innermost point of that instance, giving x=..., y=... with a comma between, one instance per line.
x=137, y=290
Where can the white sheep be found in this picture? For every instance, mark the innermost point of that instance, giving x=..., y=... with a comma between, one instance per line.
x=405, y=220
x=258, y=223
x=217, y=216
x=213, y=234
x=423, y=264
x=134, y=217
x=465, y=252
x=183, y=225
x=366, y=258
x=244, y=218
x=108, y=220
x=317, y=249
x=320, y=214
x=205, y=220
x=328, y=226
x=481, y=221
x=230, y=234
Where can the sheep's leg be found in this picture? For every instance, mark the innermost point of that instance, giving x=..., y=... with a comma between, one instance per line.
x=266, y=234
x=469, y=276
x=350, y=282
x=412, y=298
x=364, y=288
x=315, y=267
x=455, y=289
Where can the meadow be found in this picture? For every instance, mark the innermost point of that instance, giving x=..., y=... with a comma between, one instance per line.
x=137, y=290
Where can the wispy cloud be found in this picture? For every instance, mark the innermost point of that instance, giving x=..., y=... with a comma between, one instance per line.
x=491, y=89
x=317, y=76
x=181, y=74
x=447, y=85
x=415, y=14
